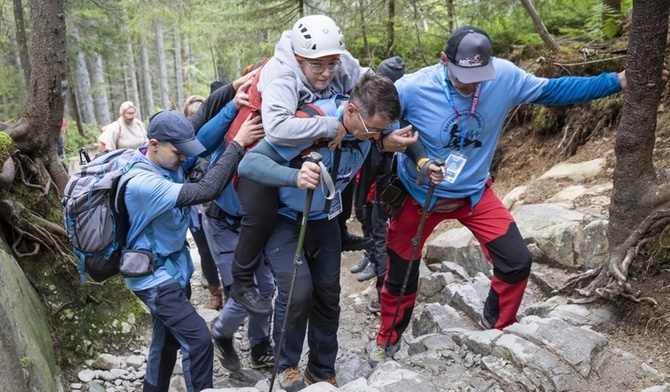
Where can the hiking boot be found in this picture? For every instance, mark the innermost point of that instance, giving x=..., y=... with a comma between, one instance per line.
x=484, y=323
x=381, y=352
x=353, y=242
x=215, y=301
x=251, y=300
x=261, y=355
x=225, y=352
x=291, y=380
x=374, y=306
x=312, y=379
x=360, y=266
x=367, y=273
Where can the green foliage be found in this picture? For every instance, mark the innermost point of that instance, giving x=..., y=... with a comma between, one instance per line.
x=74, y=141
x=27, y=363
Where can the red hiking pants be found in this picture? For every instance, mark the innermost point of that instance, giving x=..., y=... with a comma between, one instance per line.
x=501, y=242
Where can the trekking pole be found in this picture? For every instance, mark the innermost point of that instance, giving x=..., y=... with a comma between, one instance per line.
x=297, y=261
x=415, y=245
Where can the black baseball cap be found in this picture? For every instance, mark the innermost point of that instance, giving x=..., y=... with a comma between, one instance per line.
x=172, y=126
x=469, y=52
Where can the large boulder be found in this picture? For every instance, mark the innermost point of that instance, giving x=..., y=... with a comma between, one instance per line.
x=27, y=360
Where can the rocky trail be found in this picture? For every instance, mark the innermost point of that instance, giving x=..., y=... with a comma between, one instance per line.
x=557, y=345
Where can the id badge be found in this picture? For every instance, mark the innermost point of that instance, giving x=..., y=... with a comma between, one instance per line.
x=335, y=206
x=453, y=167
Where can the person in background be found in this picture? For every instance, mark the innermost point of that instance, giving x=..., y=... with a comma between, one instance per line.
x=126, y=132
x=373, y=178
x=458, y=108
x=207, y=264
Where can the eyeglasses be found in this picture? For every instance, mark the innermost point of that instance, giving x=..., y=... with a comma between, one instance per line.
x=319, y=68
x=367, y=131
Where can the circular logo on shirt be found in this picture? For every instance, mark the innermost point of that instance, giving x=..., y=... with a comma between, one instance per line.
x=464, y=132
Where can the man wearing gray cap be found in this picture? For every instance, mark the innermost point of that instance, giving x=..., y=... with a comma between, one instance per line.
x=458, y=107
x=157, y=264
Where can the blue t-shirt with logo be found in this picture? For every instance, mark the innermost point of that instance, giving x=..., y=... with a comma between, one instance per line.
x=426, y=106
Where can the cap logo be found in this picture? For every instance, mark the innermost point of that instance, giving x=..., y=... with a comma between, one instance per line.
x=471, y=62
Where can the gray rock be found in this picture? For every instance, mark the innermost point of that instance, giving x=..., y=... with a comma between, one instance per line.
x=436, y=318
x=135, y=361
x=468, y=296
x=431, y=285
x=538, y=364
x=460, y=247
x=86, y=375
x=573, y=345
x=392, y=377
x=584, y=315
x=106, y=362
x=358, y=385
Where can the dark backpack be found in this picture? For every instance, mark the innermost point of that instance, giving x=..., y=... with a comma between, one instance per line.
x=95, y=215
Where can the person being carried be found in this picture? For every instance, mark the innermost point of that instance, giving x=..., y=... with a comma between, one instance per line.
x=126, y=132
x=157, y=265
x=309, y=63
x=458, y=108
x=372, y=108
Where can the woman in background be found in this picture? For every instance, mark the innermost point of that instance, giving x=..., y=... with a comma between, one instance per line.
x=126, y=132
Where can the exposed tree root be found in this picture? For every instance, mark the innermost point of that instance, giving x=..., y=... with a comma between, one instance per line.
x=611, y=282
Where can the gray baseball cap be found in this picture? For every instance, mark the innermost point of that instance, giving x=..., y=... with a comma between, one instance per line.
x=172, y=126
x=469, y=52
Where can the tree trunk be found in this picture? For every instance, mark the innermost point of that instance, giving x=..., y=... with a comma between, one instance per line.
x=390, y=29
x=37, y=132
x=82, y=81
x=366, y=46
x=22, y=40
x=178, y=69
x=75, y=110
x=417, y=29
x=186, y=63
x=100, y=101
x=539, y=26
x=451, y=11
x=162, y=67
x=636, y=181
x=216, y=67
x=135, y=91
x=146, y=76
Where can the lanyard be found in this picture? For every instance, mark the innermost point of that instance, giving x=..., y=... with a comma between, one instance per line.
x=462, y=132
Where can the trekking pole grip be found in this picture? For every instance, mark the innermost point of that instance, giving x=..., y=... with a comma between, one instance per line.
x=316, y=158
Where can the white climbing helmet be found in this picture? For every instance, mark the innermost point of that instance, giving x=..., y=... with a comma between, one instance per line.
x=316, y=36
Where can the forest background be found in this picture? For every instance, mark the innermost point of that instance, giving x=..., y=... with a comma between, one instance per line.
x=90, y=56
x=156, y=53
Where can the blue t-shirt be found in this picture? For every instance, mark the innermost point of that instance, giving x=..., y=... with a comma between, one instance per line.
x=426, y=106
x=156, y=223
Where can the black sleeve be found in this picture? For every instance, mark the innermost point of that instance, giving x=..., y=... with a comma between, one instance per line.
x=212, y=106
x=214, y=181
x=417, y=150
